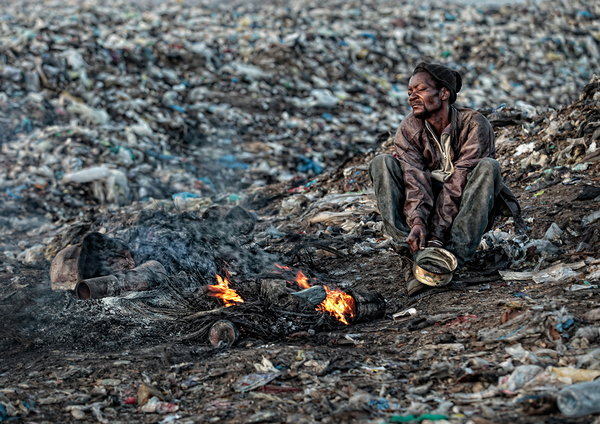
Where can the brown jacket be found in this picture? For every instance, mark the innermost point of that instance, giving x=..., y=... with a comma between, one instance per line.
x=472, y=139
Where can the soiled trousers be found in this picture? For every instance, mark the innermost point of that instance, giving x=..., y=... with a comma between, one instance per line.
x=476, y=208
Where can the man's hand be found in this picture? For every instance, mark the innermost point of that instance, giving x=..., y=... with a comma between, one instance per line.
x=416, y=238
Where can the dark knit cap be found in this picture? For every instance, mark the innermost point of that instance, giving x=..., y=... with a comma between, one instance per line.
x=447, y=77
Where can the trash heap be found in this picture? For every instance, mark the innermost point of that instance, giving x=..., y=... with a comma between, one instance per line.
x=121, y=102
x=514, y=338
x=150, y=124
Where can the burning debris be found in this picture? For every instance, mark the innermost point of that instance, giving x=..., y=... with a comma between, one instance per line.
x=336, y=302
x=223, y=292
x=168, y=284
x=302, y=280
x=340, y=305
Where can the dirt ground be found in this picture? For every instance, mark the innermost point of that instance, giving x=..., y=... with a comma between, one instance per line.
x=67, y=360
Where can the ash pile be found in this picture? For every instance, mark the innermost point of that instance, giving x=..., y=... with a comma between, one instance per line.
x=180, y=278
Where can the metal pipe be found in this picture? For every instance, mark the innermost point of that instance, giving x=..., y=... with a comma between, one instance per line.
x=97, y=288
x=144, y=276
x=140, y=278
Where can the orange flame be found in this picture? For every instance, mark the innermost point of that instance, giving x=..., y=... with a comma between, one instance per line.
x=222, y=291
x=302, y=280
x=338, y=304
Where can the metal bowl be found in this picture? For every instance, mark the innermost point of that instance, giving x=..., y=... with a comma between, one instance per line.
x=434, y=266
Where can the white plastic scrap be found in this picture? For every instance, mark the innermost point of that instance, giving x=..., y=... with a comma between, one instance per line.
x=525, y=148
x=89, y=114
x=562, y=274
x=521, y=375
x=87, y=175
x=553, y=233
x=557, y=272
x=520, y=354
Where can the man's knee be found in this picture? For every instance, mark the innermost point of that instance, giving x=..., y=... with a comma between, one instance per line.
x=488, y=167
x=381, y=163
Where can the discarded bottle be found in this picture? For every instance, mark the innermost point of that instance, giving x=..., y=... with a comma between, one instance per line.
x=580, y=399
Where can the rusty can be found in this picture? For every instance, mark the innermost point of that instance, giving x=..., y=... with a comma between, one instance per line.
x=223, y=333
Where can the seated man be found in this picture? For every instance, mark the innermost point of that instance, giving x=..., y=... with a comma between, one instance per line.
x=443, y=188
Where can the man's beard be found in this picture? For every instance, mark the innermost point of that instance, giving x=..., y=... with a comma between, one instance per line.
x=424, y=114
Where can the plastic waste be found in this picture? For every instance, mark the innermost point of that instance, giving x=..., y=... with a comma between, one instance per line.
x=590, y=219
x=589, y=360
x=31, y=254
x=89, y=114
x=417, y=418
x=230, y=162
x=580, y=399
x=274, y=232
x=555, y=273
x=564, y=273
x=117, y=187
x=589, y=332
x=155, y=405
x=542, y=245
x=592, y=315
x=553, y=233
x=520, y=354
x=406, y=313
x=585, y=286
x=254, y=381
x=518, y=378
x=324, y=98
x=185, y=195
x=309, y=165
x=524, y=148
x=574, y=374
x=87, y=175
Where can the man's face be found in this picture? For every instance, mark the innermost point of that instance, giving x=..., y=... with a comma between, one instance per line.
x=424, y=98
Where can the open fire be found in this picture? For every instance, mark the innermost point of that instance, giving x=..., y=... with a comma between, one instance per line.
x=222, y=291
x=302, y=280
x=339, y=304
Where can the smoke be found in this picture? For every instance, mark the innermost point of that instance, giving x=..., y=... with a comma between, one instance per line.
x=192, y=249
x=187, y=243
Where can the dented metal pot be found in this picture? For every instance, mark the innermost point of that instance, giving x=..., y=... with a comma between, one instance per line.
x=434, y=266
